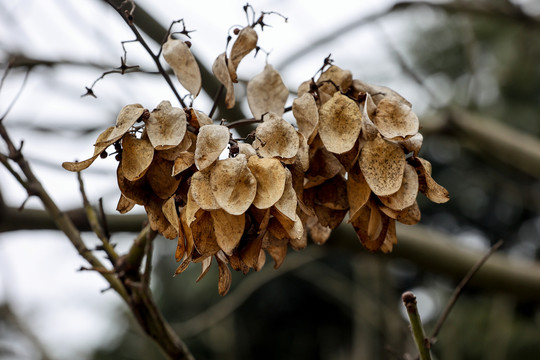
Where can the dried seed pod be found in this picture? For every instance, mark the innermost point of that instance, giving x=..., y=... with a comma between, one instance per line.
x=169, y=210
x=358, y=192
x=125, y=120
x=340, y=122
x=271, y=177
x=383, y=164
x=228, y=229
x=266, y=92
x=124, y=204
x=166, y=126
x=393, y=118
x=406, y=195
x=211, y=142
x=221, y=72
x=275, y=137
x=99, y=147
x=201, y=191
x=306, y=113
x=243, y=45
x=160, y=178
x=179, y=57
x=183, y=161
x=427, y=185
x=233, y=184
x=137, y=155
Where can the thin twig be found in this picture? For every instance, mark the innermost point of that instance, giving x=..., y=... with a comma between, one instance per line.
x=93, y=219
x=216, y=101
x=422, y=343
x=459, y=289
x=23, y=84
x=129, y=21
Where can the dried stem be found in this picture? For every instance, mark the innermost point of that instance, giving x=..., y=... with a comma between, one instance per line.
x=459, y=289
x=422, y=343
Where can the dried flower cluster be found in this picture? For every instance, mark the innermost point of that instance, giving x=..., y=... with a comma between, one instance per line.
x=355, y=150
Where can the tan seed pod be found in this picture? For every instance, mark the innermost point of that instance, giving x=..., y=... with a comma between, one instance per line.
x=349, y=158
x=266, y=92
x=271, y=177
x=332, y=193
x=192, y=209
x=408, y=216
x=361, y=225
x=233, y=184
x=228, y=229
x=303, y=88
x=275, y=137
x=169, y=210
x=383, y=164
x=174, y=152
x=157, y=220
x=369, y=130
x=377, y=92
x=201, y=191
x=391, y=237
x=318, y=234
x=198, y=118
x=329, y=217
x=166, y=126
x=160, y=179
x=243, y=45
x=340, y=122
x=413, y=144
x=211, y=142
x=428, y=186
x=394, y=118
x=276, y=248
x=306, y=113
x=303, y=152
x=205, y=266
x=358, y=192
x=179, y=57
x=323, y=165
x=183, y=161
x=250, y=253
x=124, y=204
x=221, y=72
x=137, y=191
x=99, y=147
x=406, y=195
x=246, y=149
x=125, y=120
x=204, y=236
x=285, y=207
x=225, y=277
x=137, y=155
x=337, y=76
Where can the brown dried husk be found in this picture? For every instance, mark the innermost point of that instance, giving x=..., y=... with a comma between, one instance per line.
x=124, y=204
x=340, y=123
x=306, y=113
x=169, y=210
x=99, y=147
x=138, y=191
x=160, y=178
x=383, y=164
x=358, y=192
x=233, y=184
x=318, y=233
x=157, y=219
x=172, y=153
x=211, y=142
x=393, y=118
x=179, y=57
x=166, y=126
x=338, y=77
x=137, y=155
x=275, y=137
x=406, y=195
x=271, y=177
x=201, y=190
x=228, y=229
x=266, y=92
x=125, y=120
x=408, y=216
x=204, y=236
x=183, y=161
x=323, y=165
x=243, y=45
x=427, y=185
x=225, y=277
x=221, y=72
x=361, y=225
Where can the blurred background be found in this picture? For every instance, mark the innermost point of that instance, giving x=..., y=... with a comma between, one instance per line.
x=471, y=69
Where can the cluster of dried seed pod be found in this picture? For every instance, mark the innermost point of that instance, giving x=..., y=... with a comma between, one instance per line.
x=355, y=151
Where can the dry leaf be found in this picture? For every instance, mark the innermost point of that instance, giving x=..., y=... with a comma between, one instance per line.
x=99, y=147
x=271, y=177
x=166, y=126
x=275, y=137
x=221, y=72
x=179, y=57
x=233, y=184
x=243, y=45
x=211, y=142
x=228, y=229
x=137, y=155
x=306, y=113
x=340, y=122
x=383, y=164
x=266, y=92
x=394, y=118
